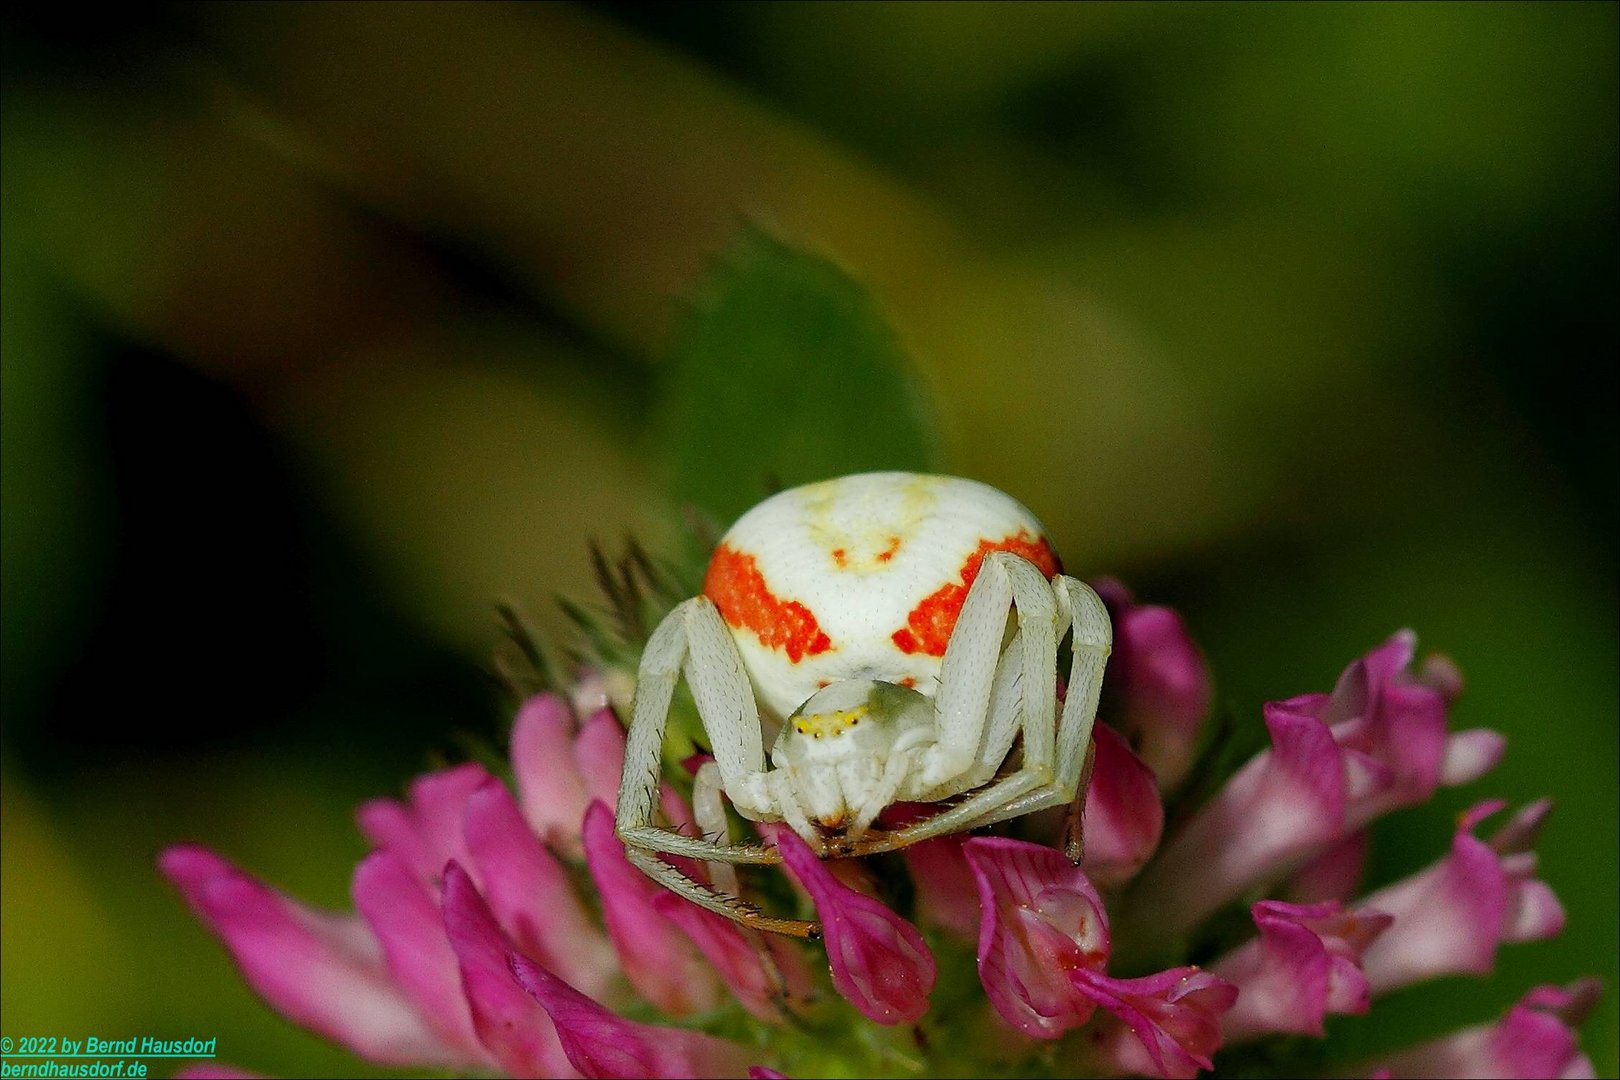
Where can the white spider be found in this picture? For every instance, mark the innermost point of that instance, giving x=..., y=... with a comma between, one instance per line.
x=872, y=613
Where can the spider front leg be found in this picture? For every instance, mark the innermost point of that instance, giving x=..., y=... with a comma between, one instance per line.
x=694, y=639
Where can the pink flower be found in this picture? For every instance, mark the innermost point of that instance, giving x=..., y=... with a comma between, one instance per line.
x=1043, y=951
x=531, y=893
x=661, y=963
x=460, y=879
x=519, y=998
x=1381, y=709
x=1535, y=1039
x=1040, y=918
x=1305, y=964
x=1162, y=1025
x=1337, y=761
x=1160, y=680
x=321, y=970
x=879, y=961
x=601, y=1044
x=945, y=891
x=560, y=766
x=517, y=1031
x=1450, y=918
x=1124, y=815
x=471, y=948
x=1286, y=802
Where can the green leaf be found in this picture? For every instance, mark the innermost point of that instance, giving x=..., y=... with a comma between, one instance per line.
x=786, y=372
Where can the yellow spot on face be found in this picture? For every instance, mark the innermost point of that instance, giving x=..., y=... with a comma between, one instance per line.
x=833, y=723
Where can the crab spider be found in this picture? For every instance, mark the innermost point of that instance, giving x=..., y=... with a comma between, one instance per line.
x=871, y=614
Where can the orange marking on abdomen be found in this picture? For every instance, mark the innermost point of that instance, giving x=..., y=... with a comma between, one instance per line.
x=888, y=553
x=738, y=589
x=839, y=557
x=928, y=627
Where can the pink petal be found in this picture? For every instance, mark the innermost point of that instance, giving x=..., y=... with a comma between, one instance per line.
x=517, y=1032
x=1124, y=816
x=1534, y=913
x=657, y=958
x=1450, y=918
x=1391, y=659
x=322, y=971
x=1533, y=1040
x=760, y=1072
x=599, y=754
x=1162, y=681
x=1572, y=1003
x=1304, y=965
x=601, y=1044
x=1173, y=1019
x=389, y=823
x=426, y=832
x=1408, y=735
x=1281, y=807
x=1381, y=709
x=1040, y=917
x=531, y=895
x=550, y=788
x=879, y=961
x=406, y=919
x=1470, y=755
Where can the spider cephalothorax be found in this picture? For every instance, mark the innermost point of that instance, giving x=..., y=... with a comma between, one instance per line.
x=869, y=616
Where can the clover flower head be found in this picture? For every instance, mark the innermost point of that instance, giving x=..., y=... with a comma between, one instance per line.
x=499, y=927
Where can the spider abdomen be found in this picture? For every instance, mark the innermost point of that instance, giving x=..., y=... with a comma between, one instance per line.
x=860, y=578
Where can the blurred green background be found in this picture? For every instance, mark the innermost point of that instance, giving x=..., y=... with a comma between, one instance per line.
x=325, y=325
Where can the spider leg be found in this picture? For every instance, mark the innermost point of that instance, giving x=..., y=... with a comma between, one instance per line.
x=1093, y=641
x=970, y=687
x=968, y=672
x=693, y=638
x=894, y=774
x=999, y=730
x=731, y=907
x=1074, y=822
x=780, y=786
x=710, y=811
